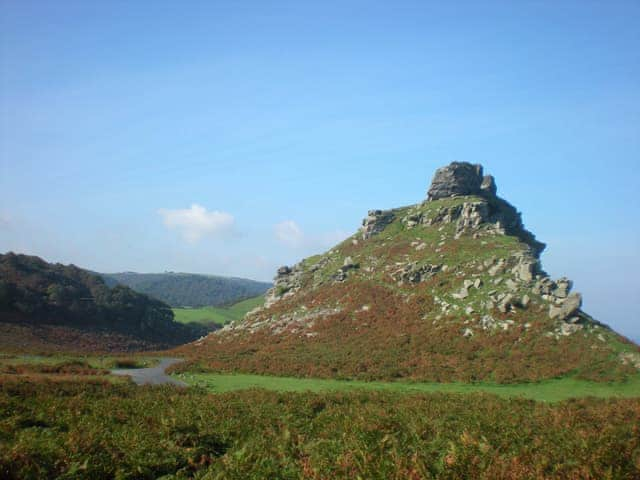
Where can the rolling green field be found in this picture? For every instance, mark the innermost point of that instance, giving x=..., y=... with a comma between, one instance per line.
x=549, y=391
x=217, y=315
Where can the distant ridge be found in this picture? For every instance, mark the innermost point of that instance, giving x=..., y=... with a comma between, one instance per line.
x=49, y=306
x=189, y=289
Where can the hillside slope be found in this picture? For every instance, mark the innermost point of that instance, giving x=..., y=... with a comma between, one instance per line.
x=54, y=306
x=450, y=289
x=215, y=317
x=188, y=289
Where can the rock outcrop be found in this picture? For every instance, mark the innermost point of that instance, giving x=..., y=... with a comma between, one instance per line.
x=375, y=222
x=286, y=283
x=460, y=178
x=465, y=179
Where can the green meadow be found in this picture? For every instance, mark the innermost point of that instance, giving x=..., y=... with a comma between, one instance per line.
x=549, y=391
x=217, y=315
x=553, y=390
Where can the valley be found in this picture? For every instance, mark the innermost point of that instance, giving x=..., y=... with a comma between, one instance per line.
x=215, y=317
x=429, y=344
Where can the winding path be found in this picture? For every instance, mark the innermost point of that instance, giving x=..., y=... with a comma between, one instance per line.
x=153, y=375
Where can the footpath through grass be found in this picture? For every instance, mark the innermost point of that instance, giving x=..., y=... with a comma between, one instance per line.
x=217, y=315
x=550, y=391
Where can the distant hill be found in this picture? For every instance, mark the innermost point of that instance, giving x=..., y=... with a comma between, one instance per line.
x=188, y=289
x=449, y=289
x=52, y=305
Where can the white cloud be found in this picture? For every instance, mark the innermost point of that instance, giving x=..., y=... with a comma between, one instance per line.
x=196, y=222
x=289, y=233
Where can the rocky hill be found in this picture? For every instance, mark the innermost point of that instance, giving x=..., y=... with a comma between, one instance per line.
x=188, y=289
x=449, y=289
x=47, y=306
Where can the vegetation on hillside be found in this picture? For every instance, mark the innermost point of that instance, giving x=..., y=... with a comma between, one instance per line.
x=376, y=323
x=64, y=305
x=96, y=430
x=190, y=290
x=214, y=317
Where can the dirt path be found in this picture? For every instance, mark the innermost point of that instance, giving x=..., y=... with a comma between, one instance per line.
x=154, y=375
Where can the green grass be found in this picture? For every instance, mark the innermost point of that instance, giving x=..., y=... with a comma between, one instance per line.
x=549, y=391
x=217, y=315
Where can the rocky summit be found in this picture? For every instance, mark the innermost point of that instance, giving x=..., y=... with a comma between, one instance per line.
x=460, y=178
x=449, y=289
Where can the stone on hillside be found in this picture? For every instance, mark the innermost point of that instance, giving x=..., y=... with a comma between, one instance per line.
x=375, y=222
x=563, y=287
x=497, y=268
x=488, y=185
x=458, y=178
x=286, y=283
x=472, y=215
x=487, y=322
x=566, y=308
x=567, y=329
x=544, y=286
x=340, y=276
x=464, y=293
x=348, y=264
x=284, y=271
x=525, y=269
x=506, y=303
x=525, y=301
x=416, y=273
x=467, y=333
x=630, y=358
x=511, y=285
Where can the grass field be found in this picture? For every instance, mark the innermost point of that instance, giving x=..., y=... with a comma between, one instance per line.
x=549, y=391
x=217, y=315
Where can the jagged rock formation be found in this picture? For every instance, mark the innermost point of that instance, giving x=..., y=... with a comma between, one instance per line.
x=460, y=178
x=375, y=222
x=448, y=289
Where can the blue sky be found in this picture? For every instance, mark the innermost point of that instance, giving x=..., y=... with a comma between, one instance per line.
x=232, y=137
